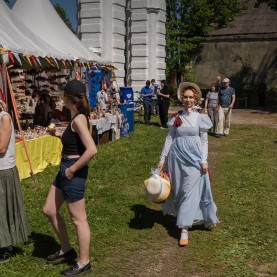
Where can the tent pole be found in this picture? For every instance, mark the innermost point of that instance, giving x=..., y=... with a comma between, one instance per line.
x=19, y=127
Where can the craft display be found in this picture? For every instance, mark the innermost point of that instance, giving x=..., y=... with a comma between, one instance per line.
x=36, y=132
x=28, y=85
x=39, y=131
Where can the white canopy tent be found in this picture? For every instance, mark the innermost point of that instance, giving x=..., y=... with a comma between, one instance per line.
x=41, y=17
x=17, y=37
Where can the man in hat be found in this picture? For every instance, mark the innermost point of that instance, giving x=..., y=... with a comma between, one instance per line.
x=226, y=99
x=147, y=95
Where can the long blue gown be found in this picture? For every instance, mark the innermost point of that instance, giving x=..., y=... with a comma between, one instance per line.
x=186, y=148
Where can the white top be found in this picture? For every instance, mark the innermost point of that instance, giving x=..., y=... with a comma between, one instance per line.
x=189, y=119
x=7, y=160
x=102, y=98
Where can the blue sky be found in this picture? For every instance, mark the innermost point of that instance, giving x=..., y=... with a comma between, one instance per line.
x=68, y=5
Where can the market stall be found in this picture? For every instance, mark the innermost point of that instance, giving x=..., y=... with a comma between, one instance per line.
x=106, y=128
x=30, y=67
x=33, y=71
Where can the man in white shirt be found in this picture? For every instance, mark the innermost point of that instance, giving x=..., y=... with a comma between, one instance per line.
x=102, y=99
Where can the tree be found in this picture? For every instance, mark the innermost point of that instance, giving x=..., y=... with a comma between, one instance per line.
x=62, y=13
x=188, y=24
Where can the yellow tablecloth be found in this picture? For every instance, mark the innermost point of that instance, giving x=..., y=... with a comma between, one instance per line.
x=43, y=151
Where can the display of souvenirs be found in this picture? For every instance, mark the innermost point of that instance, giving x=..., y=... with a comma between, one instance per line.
x=29, y=85
x=38, y=131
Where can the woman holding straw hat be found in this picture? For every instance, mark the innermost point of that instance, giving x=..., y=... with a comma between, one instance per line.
x=13, y=221
x=186, y=150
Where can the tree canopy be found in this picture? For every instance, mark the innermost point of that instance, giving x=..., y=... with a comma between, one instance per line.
x=62, y=13
x=188, y=24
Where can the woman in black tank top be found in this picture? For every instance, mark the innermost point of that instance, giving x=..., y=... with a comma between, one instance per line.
x=69, y=185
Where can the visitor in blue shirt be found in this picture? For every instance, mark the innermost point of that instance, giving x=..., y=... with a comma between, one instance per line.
x=147, y=94
x=226, y=101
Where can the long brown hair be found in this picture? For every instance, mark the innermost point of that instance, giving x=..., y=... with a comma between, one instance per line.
x=81, y=103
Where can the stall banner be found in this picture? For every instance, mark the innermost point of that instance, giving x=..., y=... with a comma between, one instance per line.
x=3, y=84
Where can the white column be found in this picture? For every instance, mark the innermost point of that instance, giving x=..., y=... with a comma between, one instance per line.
x=107, y=30
x=147, y=41
x=101, y=26
x=152, y=42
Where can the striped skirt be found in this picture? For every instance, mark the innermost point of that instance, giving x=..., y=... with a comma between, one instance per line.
x=13, y=220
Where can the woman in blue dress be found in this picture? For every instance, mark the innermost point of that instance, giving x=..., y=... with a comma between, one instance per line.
x=186, y=152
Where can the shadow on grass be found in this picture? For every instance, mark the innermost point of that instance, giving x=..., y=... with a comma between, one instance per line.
x=44, y=245
x=145, y=218
x=16, y=250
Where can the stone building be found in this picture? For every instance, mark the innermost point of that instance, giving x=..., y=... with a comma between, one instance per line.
x=128, y=33
x=246, y=52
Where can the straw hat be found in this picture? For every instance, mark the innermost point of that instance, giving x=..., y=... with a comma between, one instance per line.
x=185, y=85
x=157, y=188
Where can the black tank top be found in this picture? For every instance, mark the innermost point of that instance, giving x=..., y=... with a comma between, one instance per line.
x=72, y=144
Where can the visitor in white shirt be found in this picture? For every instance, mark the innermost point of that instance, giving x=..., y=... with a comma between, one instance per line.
x=102, y=99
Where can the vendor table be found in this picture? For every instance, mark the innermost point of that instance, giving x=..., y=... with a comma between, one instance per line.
x=43, y=151
x=101, y=128
x=46, y=150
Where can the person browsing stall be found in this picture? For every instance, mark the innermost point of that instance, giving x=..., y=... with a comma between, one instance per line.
x=102, y=99
x=147, y=95
x=186, y=152
x=13, y=220
x=43, y=111
x=69, y=184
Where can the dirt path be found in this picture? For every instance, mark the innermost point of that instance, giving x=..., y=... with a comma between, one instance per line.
x=256, y=117
x=246, y=116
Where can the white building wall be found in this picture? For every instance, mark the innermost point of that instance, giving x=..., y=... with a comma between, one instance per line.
x=128, y=33
x=101, y=26
x=147, y=42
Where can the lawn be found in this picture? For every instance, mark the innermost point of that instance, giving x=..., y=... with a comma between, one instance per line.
x=131, y=237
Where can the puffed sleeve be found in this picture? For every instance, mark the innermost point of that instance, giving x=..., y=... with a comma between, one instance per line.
x=168, y=140
x=205, y=123
x=171, y=121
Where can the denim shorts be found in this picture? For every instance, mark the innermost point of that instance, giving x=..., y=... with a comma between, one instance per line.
x=73, y=189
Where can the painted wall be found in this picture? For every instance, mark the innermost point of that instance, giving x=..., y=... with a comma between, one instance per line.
x=128, y=33
x=246, y=60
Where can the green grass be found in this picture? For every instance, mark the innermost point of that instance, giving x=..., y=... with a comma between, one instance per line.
x=131, y=237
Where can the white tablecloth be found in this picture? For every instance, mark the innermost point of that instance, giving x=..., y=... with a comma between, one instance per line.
x=106, y=123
